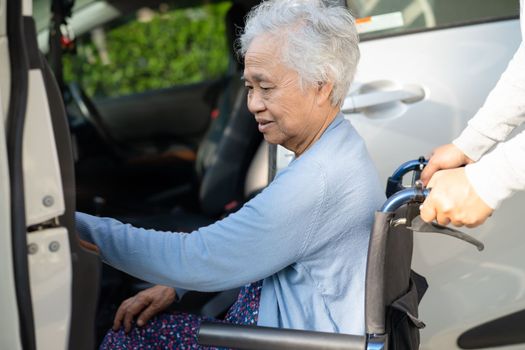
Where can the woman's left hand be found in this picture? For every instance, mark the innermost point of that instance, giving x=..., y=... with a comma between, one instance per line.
x=88, y=246
x=144, y=306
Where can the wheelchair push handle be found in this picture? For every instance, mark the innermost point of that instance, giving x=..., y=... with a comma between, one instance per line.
x=416, y=195
x=408, y=195
x=395, y=182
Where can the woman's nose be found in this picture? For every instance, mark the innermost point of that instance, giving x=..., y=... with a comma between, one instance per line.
x=255, y=102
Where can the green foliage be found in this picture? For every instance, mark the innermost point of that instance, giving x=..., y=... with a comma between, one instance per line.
x=152, y=50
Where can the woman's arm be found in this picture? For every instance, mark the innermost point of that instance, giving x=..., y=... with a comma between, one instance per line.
x=267, y=234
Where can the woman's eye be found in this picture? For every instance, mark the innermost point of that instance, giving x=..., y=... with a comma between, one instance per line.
x=266, y=88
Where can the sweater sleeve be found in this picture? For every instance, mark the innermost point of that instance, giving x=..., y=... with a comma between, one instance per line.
x=267, y=234
x=503, y=110
x=500, y=173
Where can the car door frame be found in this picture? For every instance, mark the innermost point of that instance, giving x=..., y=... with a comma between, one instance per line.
x=28, y=71
x=19, y=68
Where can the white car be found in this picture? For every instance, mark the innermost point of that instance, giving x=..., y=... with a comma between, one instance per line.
x=426, y=67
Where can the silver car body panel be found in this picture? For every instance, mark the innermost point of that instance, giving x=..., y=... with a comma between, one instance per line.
x=456, y=68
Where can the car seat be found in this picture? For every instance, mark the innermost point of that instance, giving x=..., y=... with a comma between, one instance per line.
x=223, y=156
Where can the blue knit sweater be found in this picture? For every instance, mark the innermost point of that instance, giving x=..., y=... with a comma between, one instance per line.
x=306, y=235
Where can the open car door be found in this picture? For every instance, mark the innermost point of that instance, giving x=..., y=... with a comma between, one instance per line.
x=48, y=297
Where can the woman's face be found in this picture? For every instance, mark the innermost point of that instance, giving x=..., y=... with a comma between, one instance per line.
x=286, y=114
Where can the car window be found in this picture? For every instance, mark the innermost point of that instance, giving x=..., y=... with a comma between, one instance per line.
x=378, y=18
x=41, y=13
x=151, y=48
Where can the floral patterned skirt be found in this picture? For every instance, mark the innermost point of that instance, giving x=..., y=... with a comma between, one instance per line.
x=179, y=330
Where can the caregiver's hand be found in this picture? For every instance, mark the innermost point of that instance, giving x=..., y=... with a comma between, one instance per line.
x=452, y=199
x=444, y=157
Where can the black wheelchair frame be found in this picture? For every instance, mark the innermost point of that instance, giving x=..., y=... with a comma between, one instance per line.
x=392, y=289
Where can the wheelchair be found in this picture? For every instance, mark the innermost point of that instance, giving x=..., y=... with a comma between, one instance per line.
x=392, y=289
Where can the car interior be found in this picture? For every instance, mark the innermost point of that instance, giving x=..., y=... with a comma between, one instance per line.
x=174, y=159
x=155, y=152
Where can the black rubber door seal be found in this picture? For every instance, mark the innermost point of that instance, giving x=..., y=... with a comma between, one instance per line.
x=19, y=68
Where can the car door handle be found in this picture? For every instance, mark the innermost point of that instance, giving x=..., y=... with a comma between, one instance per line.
x=359, y=102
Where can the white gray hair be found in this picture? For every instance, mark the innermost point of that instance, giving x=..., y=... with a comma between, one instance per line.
x=320, y=41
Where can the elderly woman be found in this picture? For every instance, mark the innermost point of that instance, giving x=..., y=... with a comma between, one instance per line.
x=299, y=247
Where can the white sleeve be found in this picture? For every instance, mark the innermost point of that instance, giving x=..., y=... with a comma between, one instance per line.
x=500, y=173
x=503, y=110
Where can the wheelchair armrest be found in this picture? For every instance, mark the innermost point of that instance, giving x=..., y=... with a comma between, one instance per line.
x=255, y=337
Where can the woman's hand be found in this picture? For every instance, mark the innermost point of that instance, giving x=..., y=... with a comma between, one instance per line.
x=88, y=246
x=444, y=157
x=144, y=306
x=454, y=200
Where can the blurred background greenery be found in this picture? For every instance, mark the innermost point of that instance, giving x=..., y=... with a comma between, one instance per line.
x=151, y=49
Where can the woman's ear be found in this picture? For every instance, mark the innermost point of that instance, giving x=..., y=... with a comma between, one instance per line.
x=324, y=91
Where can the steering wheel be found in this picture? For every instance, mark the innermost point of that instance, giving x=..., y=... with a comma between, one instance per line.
x=90, y=113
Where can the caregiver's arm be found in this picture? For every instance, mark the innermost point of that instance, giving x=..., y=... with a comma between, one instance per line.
x=503, y=111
